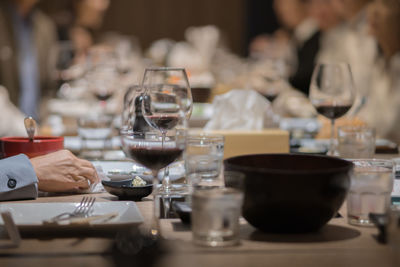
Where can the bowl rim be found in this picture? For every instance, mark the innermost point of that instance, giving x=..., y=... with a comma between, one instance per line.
x=40, y=139
x=349, y=164
x=107, y=183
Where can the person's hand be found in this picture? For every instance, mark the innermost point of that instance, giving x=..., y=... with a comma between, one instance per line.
x=62, y=171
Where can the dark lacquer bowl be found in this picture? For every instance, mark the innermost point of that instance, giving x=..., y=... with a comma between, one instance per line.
x=125, y=191
x=41, y=145
x=291, y=193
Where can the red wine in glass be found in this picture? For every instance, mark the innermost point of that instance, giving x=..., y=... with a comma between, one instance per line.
x=155, y=158
x=103, y=97
x=332, y=111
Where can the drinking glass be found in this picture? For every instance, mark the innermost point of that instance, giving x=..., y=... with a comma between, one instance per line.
x=215, y=216
x=94, y=130
x=155, y=152
x=370, y=190
x=356, y=142
x=167, y=102
x=204, y=156
x=332, y=93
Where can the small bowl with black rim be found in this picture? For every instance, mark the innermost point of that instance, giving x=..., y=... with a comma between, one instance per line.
x=124, y=189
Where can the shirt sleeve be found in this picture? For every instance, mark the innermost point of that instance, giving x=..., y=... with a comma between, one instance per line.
x=17, y=179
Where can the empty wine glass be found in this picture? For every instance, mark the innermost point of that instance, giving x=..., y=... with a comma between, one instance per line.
x=65, y=63
x=154, y=151
x=332, y=93
x=167, y=102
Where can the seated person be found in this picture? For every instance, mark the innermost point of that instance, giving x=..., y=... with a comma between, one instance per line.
x=21, y=178
x=295, y=19
x=11, y=118
x=382, y=109
x=26, y=37
x=356, y=46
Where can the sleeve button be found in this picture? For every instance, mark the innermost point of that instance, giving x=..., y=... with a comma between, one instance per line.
x=12, y=183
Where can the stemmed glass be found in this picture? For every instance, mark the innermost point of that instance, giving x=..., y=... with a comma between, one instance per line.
x=154, y=152
x=332, y=93
x=167, y=102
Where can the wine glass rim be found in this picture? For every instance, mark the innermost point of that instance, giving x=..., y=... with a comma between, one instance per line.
x=165, y=69
x=333, y=63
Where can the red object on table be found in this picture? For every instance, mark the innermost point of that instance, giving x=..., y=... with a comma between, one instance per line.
x=41, y=145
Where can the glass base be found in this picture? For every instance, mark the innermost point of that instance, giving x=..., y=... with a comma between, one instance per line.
x=164, y=203
x=215, y=240
x=360, y=221
x=173, y=189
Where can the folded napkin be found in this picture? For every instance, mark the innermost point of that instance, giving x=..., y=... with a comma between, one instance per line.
x=239, y=110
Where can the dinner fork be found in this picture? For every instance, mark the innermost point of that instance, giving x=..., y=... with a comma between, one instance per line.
x=82, y=210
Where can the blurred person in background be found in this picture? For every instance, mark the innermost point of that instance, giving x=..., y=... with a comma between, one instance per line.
x=79, y=23
x=331, y=26
x=302, y=32
x=357, y=46
x=382, y=109
x=11, y=118
x=26, y=37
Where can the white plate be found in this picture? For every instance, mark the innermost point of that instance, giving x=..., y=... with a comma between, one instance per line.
x=122, y=170
x=30, y=216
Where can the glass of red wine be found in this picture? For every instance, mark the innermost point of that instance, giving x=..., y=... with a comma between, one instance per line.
x=154, y=151
x=332, y=93
x=167, y=103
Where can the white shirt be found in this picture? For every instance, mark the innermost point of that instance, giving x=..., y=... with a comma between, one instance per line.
x=351, y=43
x=382, y=109
x=11, y=118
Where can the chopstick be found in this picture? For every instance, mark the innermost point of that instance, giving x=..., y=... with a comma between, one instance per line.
x=87, y=220
x=12, y=231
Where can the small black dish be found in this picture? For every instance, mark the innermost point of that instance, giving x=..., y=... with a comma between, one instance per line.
x=125, y=191
x=184, y=211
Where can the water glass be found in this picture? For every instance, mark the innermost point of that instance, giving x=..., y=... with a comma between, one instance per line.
x=356, y=142
x=94, y=131
x=204, y=155
x=370, y=190
x=215, y=216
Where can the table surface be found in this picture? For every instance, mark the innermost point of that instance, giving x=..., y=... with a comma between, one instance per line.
x=337, y=244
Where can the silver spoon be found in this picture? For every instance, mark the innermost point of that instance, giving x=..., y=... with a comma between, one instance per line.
x=30, y=126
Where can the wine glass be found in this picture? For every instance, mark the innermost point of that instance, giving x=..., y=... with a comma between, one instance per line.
x=167, y=101
x=65, y=64
x=332, y=93
x=154, y=151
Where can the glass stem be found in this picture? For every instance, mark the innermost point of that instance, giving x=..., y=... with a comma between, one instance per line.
x=331, y=151
x=166, y=184
x=155, y=229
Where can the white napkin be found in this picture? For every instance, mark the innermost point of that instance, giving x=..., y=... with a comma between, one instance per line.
x=238, y=110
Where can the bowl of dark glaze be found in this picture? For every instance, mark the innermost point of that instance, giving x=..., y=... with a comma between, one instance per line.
x=291, y=193
x=124, y=189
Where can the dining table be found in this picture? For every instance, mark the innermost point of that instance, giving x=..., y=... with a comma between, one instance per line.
x=336, y=244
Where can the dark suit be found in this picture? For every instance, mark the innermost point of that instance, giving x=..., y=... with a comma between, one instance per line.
x=306, y=56
x=44, y=35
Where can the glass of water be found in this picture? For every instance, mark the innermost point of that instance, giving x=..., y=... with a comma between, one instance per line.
x=215, y=216
x=370, y=190
x=94, y=131
x=355, y=142
x=204, y=155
